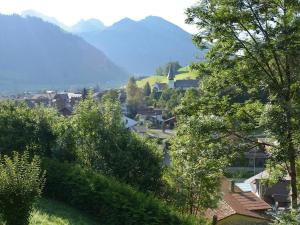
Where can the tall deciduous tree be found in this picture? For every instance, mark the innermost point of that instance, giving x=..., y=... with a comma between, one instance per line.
x=254, y=46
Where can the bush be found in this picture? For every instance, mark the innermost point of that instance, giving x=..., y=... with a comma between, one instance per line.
x=288, y=218
x=30, y=129
x=104, y=198
x=21, y=184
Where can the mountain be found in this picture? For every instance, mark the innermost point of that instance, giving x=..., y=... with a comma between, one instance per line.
x=85, y=26
x=32, y=13
x=37, y=55
x=141, y=46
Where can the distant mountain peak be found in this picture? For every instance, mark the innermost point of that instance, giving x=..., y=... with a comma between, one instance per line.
x=125, y=21
x=89, y=25
x=141, y=46
x=154, y=18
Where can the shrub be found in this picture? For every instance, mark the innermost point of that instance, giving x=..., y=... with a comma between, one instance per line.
x=30, y=129
x=21, y=183
x=104, y=198
x=103, y=143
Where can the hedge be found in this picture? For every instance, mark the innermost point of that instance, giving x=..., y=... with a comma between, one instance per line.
x=110, y=201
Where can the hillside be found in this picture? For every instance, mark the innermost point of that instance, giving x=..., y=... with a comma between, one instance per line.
x=184, y=73
x=141, y=46
x=37, y=55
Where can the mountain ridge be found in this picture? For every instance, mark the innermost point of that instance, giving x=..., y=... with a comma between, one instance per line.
x=141, y=46
x=36, y=55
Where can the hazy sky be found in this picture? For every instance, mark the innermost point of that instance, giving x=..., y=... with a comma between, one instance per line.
x=108, y=11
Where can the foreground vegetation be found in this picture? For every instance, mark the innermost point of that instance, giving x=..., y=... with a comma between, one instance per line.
x=91, y=162
x=105, y=198
x=50, y=212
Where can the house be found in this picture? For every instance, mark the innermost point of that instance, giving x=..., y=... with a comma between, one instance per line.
x=158, y=87
x=169, y=123
x=251, y=161
x=277, y=194
x=65, y=111
x=129, y=123
x=239, y=207
x=98, y=95
x=44, y=99
x=74, y=98
x=65, y=102
x=151, y=114
x=61, y=100
x=185, y=84
x=181, y=84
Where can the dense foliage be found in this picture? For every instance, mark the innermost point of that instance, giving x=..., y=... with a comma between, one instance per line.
x=253, y=48
x=134, y=97
x=95, y=137
x=23, y=129
x=21, y=183
x=103, y=143
x=106, y=199
x=288, y=218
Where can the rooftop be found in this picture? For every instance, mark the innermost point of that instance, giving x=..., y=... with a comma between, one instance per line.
x=186, y=84
x=241, y=201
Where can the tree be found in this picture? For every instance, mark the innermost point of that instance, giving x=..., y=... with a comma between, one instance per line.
x=134, y=96
x=64, y=148
x=170, y=99
x=28, y=128
x=84, y=93
x=147, y=89
x=198, y=157
x=164, y=70
x=253, y=47
x=21, y=183
x=174, y=66
x=104, y=144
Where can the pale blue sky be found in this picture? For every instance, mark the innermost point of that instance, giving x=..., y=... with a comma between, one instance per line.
x=108, y=11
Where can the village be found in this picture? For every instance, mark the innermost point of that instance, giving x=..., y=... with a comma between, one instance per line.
x=143, y=112
x=246, y=194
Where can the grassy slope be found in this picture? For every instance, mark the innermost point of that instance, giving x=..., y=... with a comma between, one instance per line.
x=48, y=212
x=184, y=73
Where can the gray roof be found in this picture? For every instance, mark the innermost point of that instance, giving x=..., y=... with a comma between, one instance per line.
x=129, y=123
x=245, y=187
x=263, y=175
x=186, y=84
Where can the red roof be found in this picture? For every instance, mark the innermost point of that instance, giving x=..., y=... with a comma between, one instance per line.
x=238, y=202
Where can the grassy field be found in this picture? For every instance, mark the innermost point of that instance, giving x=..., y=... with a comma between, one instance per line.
x=49, y=212
x=184, y=73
